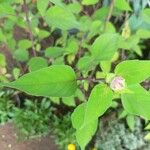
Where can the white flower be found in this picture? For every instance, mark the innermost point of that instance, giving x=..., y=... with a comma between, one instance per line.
x=118, y=83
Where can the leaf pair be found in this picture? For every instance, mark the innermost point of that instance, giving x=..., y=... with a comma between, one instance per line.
x=85, y=116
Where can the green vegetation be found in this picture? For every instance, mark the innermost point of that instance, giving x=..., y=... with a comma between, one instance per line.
x=77, y=57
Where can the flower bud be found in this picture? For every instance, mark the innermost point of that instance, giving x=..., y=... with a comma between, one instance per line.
x=126, y=32
x=118, y=83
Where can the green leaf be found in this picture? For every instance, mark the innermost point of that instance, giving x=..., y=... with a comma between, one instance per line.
x=146, y=15
x=69, y=101
x=42, y=6
x=103, y=49
x=21, y=55
x=134, y=71
x=85, y=116
x=54, y=52
x=37, y=63
x=24, y=44
x=56, y=81
x=138, y=102
x=7, y=10
x=16, y=73
x=122, y=114
x=84, y=132
x=2, y=36
x=147, y=127
x=86, y=63
x=147, y=137
x=99, y=101
x=122, y=5
x=144, y=34
x=58, y=3
x=101, y=13
x=74, y=7
x=105, y=66
x=55, y=100
x=72, y=46
x=131, y=122
x=43, y=34
x=95, y=28
x=89, y=2
x=61, y=18
x=77, y=116
x=59, y=61
x=2, y=60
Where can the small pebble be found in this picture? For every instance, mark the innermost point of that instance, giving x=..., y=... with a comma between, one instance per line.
x=9, y=146
x=3, y=136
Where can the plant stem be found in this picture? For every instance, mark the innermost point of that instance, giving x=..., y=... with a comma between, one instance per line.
x=26, y=10
x=109, y=14
x=90, y=79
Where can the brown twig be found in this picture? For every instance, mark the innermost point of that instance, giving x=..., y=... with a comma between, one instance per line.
x=109, y=14
x=90, y=79
x=123, y=55
x=26, y=10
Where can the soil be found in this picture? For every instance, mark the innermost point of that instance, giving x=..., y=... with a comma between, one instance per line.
x=8, y=141
x=9, y=58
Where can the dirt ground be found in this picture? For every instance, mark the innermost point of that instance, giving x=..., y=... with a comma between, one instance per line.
x=8, y=141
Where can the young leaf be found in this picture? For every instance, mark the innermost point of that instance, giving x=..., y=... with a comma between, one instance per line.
x=131, y=122
x=37, y=63
x=105, y=46
x=57, y=81
x=138, y=102
x=61, y=18
x=133, y=71
x=99, y=101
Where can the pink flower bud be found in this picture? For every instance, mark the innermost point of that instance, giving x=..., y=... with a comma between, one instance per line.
x=118, y=83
